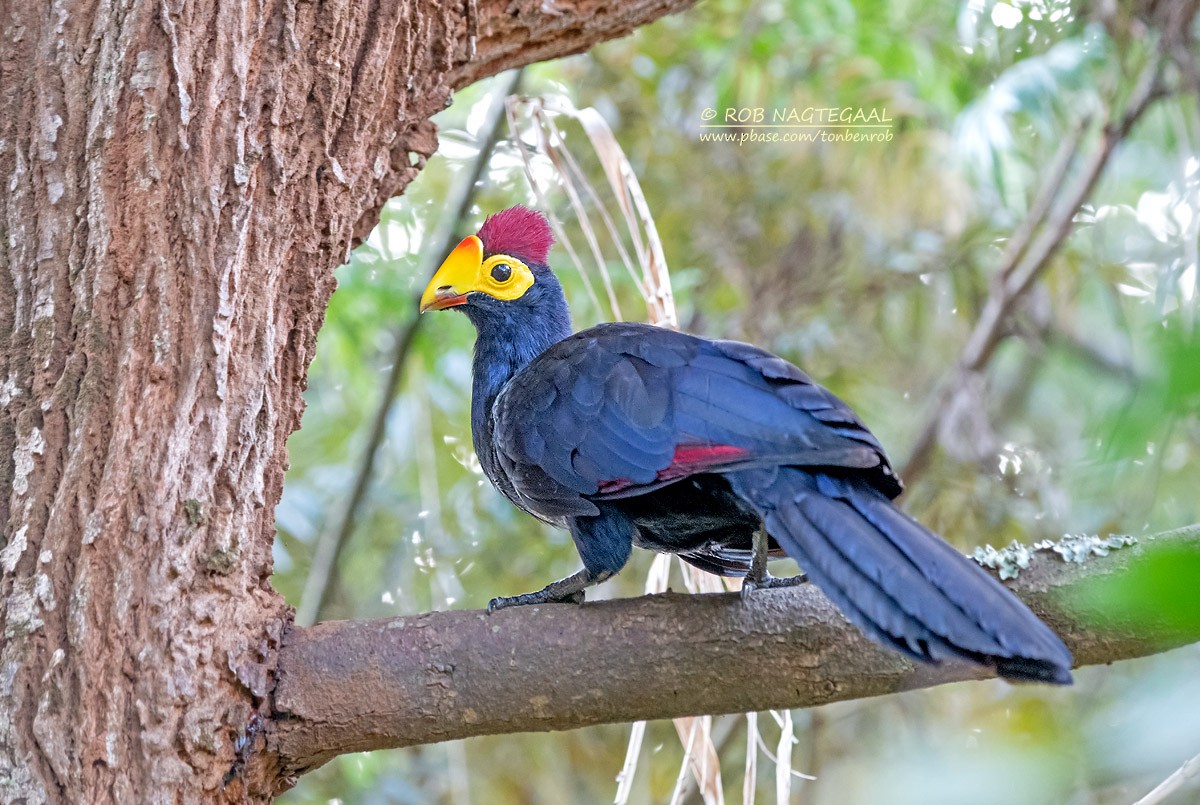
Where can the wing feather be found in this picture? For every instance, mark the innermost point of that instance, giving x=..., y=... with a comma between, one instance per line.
x=603, y=413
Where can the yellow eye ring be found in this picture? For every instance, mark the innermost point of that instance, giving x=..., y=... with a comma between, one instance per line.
x=504, y=277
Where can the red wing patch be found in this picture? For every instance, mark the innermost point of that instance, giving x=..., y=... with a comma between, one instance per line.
x=615, y=485
x=706, y=455
x=689, y=459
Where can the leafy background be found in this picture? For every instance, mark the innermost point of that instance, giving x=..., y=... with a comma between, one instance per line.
x=866, y=264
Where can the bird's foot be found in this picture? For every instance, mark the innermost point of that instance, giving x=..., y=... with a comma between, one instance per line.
x=564, y=591
x=540, y=597
x=769, y=582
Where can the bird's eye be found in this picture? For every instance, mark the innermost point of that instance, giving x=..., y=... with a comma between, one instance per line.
x=502, y=272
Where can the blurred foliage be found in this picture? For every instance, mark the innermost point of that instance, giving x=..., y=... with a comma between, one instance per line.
x=865, y=263
x=1160, y=589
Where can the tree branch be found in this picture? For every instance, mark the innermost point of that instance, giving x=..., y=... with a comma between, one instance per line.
x=513, y=33
x=1028, y=256
x=356, y=686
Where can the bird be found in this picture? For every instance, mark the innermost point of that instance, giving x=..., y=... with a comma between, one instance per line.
x=718, y=451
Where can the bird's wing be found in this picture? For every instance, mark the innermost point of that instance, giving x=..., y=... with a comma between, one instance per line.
x=621, y=409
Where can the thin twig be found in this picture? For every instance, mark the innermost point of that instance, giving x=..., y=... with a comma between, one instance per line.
x=750, y=776
x=783, y=760
x=703, y=758
x=656, y=280
x=1173, y=783
x=1060, y=168
x=1029, y=263
x=677, y=793
x=625, y=779
x=762, y=745
x=574, y=173
x=656, y=582
x=721, y=733
x=560, y=232
x=568, y=186
x=321, y=581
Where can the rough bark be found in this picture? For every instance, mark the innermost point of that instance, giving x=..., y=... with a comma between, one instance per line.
x=355, y=686
x=179, y=181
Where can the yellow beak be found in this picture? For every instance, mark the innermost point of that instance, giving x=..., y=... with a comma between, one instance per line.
x=458, y=276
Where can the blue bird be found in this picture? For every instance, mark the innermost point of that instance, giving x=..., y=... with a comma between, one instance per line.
x=717, y=451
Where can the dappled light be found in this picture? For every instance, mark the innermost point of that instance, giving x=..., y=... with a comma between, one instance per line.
x=1006, y=292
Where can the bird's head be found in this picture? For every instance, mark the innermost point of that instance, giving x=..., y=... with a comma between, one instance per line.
x=498, y=271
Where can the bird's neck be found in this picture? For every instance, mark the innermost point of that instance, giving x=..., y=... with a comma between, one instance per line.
x=497, y=359
x=505, y=344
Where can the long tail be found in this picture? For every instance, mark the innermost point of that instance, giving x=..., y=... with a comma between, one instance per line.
x=896, y=580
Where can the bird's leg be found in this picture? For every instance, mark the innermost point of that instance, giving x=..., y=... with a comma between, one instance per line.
x=758, y=578
x=564, y=591
x=758, y=558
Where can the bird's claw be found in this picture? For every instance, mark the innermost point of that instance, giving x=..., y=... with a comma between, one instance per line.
x=527, y=599
x=749, y=585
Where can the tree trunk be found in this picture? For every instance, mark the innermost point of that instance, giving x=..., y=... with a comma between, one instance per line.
x=179, y=182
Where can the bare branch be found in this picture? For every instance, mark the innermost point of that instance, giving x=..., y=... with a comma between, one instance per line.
x=356, y=686
x=519, y=32
x=1029, y=254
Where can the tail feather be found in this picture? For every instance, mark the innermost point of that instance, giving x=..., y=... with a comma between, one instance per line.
x=896, y=580
x=864, y=605
x=851, y=548
x=977, y=592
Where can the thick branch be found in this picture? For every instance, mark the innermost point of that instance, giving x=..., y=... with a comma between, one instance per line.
x=513, y=34
x=355, y=686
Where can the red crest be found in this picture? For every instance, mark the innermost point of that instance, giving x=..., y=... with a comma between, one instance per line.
x=520, y=232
